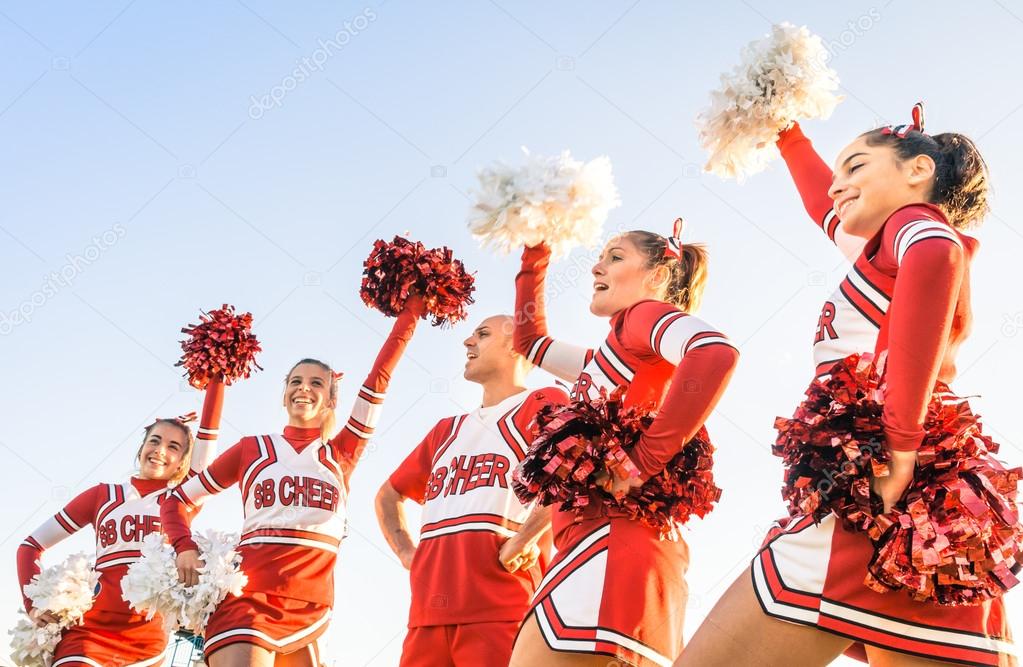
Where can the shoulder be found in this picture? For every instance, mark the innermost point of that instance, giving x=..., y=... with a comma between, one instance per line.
x=910, y=225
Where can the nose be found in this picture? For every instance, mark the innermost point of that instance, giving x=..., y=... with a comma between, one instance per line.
x=836, y=189
x=469, y=342
x=598, y=269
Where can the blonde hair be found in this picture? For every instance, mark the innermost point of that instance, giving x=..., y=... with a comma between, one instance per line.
x=186, y=457
x=687, y=276
x=329, y=422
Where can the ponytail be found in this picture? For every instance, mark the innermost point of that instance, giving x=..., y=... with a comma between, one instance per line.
x=960, y=185
x=687, y=275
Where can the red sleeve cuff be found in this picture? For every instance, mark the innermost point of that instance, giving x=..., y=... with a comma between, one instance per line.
x=790, y=136
x=904, y=441
x=405, y=487
x=184, y=544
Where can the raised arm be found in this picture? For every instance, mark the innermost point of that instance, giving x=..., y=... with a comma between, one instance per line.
x=209, y=428
x=704, y=361
x=813, y=180
x=530, y=337
x=351, y=441
x=77, y=514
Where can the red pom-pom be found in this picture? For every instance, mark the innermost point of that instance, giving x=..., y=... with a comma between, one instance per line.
x=954, y=538
x=220, y=347
x=578, y=444
x=395, y=270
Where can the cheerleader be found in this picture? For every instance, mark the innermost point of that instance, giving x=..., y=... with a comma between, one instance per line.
x=111, y=633
x=898, y=202
x=615, y=588
x=294, y=489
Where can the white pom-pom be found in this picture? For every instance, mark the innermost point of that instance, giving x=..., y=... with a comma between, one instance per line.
x=151, y=585
x=782, y=78
x=66, y=591
x=557, y=200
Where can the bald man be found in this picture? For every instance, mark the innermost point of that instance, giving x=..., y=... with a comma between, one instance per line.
x=481, y=553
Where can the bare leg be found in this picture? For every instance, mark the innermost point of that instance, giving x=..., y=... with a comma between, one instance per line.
x=881, y=658
x=531, y=650
x=307, y=656
x=738, y=632
x=241, y=655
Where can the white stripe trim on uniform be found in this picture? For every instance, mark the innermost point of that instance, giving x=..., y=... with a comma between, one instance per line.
x=374, y=394
x=125, y=560
x=880, y=301
x=64, y=515
x=208, y=431
x=536, y=348
x=212, y=482
x=596, y=535
x=617, y=363
x=283, y=641
x=828, y=217
x=919, y=230
x=510, y=422
x=915, y=631
x=296, y=541
x=464, y=527
x=362, y=434
x=590, y=645
x=81, y=658
x=657, y=328
x=264, y=455
x=111, y=499
x=710, y=340
x=775, y=608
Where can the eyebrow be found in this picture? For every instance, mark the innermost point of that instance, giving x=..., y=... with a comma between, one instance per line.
x=617, y=247
x=482, y=329
x=846, y=161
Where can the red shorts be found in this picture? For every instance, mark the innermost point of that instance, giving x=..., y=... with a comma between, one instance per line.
x=278, y=624
x=110, y=639
x=466, y=645
x=813, y=575
x=615, y=588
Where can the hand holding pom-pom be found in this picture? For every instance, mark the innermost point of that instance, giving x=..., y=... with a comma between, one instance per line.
x=60, y=596
x=220, y=347
x=580, y=459
x=782, y=78
x=954, y=537
x=404, y=274
x=152, y=585
x=554, y=200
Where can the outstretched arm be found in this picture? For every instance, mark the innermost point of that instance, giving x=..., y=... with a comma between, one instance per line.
x=813, y=180
x=77, y=514
x=351, y=441
x=530, y=338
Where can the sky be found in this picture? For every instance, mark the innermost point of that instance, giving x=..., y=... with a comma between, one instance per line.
x=162, y=158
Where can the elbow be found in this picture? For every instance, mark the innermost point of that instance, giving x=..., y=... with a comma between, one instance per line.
x=387, y=495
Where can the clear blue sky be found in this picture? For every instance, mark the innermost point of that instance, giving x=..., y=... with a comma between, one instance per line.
x=144, y=167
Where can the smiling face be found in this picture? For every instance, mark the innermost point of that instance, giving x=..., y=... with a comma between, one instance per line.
x=163, y=452
x=623, y=276
x=308, y=395
x=488, y=351
x=871, y=183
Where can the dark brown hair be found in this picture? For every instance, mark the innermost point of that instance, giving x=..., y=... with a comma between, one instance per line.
x=960, y=186
x=687, y=277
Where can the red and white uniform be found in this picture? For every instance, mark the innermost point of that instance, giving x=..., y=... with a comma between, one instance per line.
x=907, y=294
x=466, y=608
x=615, y=587
x=112, y=634
x=294, y=491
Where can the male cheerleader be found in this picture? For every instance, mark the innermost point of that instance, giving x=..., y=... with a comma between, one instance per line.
x=481, y=553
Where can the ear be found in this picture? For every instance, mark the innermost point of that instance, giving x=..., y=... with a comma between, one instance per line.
x=658, y=277
x=920, y=170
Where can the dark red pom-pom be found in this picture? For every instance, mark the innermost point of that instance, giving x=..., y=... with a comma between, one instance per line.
x=954, y=538
x=221, y=346
x=578, y=444
x=399, y=268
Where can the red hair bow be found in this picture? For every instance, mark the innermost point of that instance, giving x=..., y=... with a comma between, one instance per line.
x=674, y=247
x=917, y=125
